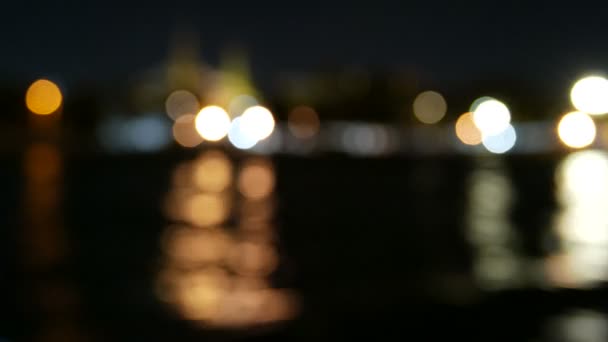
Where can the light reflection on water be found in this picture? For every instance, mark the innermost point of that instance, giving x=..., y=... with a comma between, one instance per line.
x=490, y=230
x=582, y=222
x=220, y=252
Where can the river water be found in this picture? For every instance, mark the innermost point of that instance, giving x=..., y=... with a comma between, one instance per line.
x=218, y=245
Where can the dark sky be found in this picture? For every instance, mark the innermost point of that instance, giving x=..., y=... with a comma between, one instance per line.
x=449, y=40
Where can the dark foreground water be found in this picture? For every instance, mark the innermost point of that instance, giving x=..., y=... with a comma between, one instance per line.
x=458, y=247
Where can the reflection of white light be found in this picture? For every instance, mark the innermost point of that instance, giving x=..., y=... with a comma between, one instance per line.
x=491, y=116
x=576, y=130
x=240, y=103
x=212, y=123
x=501, y=142
x=582, y=177
x=429, y=107
x=590, y=95
x=257, y=122
x=582, y=188
x=238, y=137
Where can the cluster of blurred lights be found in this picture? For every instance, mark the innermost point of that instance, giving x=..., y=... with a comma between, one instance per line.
x=217, y=274
x=247, y=125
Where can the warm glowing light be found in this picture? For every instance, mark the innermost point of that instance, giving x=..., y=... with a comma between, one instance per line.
x=590, y=95
x=181, y=102
x=303, y=122
x=501, y=142
x=491, y=116
x=466, y=130
x=212, y=123
x=256, y=179
x=429, y=107
x=191, y=246
x=253, y=258
x=238, y=137
x=576, y=129
x=212, y=171
x=43, y=97
x=582, y=178
x=184, y=131
x=206, y=209
x=257, y=122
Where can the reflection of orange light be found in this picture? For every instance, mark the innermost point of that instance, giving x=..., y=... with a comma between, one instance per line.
x=206, y=209
x=42, y=163
x=254, y=258
x=184, y=131
x=303, y=122
x=43, y=97
x=256, y=179
x=213, y=171
x=189, y=246
x=200, y=294
x=467, y=131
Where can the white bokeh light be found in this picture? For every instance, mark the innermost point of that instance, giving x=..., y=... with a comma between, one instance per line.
x=257, y=122
x=239, y=138
x=590, y=95
x=491, y=116
x=576, y=130
x=501, y=142
x=212, y=123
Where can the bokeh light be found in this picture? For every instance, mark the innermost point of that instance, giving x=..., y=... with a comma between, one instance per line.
x=256, y=179
x=501, y=142
x=206, y=209
x=43, y=97
x=303, y=122
x=466, y=131
x=184, y=131
x=257, y=122
x=212, y=123
x=490, y=116
x=238, y=136
x=576, y=130
x=429, y=107
x=590, y=95
x=212, y=171
x=181, y=102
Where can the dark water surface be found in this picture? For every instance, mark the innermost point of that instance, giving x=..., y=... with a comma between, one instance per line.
x=369, y=247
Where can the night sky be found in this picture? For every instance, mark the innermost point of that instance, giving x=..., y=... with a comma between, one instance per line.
x=445, y=40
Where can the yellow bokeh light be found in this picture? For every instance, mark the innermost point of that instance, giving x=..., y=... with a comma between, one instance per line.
x=181, y=102
x=429, y=107
x=303, y=122
x=256, y=179
x=212, y=123
x=257, y=122
x=576, y=130
x=590, y=95
x=43, y=97
x=212, y=171
x=185, y=133
x=491, y=116
x=206, y=210
x=466, y=130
